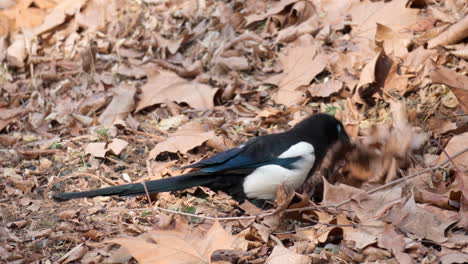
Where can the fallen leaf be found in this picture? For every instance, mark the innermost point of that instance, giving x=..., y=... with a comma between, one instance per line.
x=325, y=89
x=96, y=149
x=59, y=14
x=187, y=137
x=181, y=245
x=451, y=35
x=394, y=14
x=301, y=65
x=96, y=14
x=166, y=86
x=99, y=149
x=277, y=8
x=16, y=52
x=74, y=254
x=455, y=145
x=393, y=42
x=281, y=255
x=390, y=239
x=117, y=145
x=233, y=63
x=121, y=105
x=413, y=218
x=441, y=126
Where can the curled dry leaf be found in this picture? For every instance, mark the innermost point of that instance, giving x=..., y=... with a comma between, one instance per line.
x=451, y=35
x=180, y=245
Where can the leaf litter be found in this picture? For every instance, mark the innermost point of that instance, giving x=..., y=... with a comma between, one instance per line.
x=96, y=93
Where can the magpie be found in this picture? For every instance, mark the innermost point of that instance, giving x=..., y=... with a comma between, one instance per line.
x=253, y=170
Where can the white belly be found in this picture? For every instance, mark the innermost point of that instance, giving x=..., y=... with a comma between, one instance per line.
x=263, y=182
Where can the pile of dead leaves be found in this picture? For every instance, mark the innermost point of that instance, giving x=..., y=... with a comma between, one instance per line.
x=97, y=93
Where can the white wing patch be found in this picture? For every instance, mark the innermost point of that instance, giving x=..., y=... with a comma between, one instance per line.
x=263, y=182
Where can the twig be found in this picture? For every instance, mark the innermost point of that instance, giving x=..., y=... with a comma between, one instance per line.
x=446, y=154
x=404, y=178
x=234, y=218
x=147, y=193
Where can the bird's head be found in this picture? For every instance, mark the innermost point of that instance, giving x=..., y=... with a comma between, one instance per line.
x=323, y=129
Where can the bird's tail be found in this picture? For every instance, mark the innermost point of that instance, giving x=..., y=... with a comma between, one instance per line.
x=163, y=185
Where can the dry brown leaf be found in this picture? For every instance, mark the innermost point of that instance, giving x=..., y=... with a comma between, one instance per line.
x=16, y=52
x=291, y=33
x=325, y=89
x=396, y=82
x=451, y=35
x=121, y=105
x=455, y=145
x=233, y=63
x=96, y=14
x=187, y=137
x=21, y=16
x=74, y=254
x=461, y=52
x=117, y=145
x=172, y=45
x=395, y=242
x=394, y=14
x=96, y=149
x=458, y=83
x=277, y=8
x=415, y=219
x=441, y=126
x=181, y=245
x=59, y=14
x=368, y=72
x=134, y=72
x=281, y=255
x=99, y=149
x=393, y=42
x=301, y=65
x=166, y=86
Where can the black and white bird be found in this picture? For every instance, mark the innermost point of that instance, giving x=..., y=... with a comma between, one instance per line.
x=253, y=170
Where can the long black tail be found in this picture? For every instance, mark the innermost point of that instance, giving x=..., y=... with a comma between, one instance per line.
x=164, y=185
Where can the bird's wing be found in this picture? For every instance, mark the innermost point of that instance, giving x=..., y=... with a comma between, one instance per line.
x=217, y=159
x=257, y=152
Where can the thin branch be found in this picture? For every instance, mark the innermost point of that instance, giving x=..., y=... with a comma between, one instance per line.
x=400, y=180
